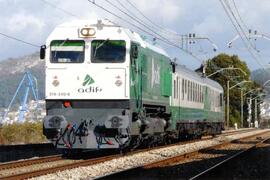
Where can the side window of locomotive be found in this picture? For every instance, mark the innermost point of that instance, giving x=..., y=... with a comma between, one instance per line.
x=183, y=86
x=67, y=51
x=108, y=51
x=202, y=94
x=199, y=93
x=193, y=91
x=188, y=90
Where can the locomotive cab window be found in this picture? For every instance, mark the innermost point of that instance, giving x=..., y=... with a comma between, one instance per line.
x=66, y=51
x=108, y=51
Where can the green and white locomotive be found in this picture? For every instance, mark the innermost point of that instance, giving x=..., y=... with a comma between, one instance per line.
x=106, y=87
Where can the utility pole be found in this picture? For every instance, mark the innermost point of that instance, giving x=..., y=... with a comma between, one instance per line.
x=228, y=98
x=228, y=102
x=242, y=115
x=249, y=110
x=255, y=119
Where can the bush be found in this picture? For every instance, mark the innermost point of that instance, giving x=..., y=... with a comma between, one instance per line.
x=22, y=133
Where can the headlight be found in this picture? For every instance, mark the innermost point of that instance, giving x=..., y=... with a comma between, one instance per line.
x=116, y=122
x=118, y=83
x=55, y=122
x=55, y=82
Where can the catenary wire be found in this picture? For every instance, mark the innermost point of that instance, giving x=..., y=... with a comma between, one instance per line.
x=238, y=24
x=163, y=31
x=133, y=18
x=239, y=15
x=143, y=30
x=239, y=33
x=61, y=9
x=19, y=40
x=148, y=19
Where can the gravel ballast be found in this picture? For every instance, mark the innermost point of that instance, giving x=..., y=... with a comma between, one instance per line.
x=141, y=158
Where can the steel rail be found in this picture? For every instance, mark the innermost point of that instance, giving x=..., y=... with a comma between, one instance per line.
x=179, y=158
x=27, y=162
x=228, y=159
x=87, y=162
x=189, y=154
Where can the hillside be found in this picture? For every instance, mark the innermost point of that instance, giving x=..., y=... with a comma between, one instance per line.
x=261, y=76
x=11, y=73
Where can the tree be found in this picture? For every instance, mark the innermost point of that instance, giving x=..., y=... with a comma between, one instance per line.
x=234, y=77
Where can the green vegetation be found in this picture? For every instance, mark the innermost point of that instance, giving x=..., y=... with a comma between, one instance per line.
x=20, y=133
x=234, y=77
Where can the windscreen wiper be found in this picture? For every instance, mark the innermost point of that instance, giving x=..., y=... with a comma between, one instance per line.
x=101, y=44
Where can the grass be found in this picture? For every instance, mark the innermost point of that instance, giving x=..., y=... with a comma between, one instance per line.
x=22, y=133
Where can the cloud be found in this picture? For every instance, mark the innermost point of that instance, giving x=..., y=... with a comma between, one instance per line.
x=166, y=10
x=209, y=25
x=34, y=20
x=22, y=21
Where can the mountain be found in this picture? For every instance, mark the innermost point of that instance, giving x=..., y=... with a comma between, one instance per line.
x=261, y=76
x=12, y=71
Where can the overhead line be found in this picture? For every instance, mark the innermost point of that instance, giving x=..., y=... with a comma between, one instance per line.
x=239, y=15
x=143, y=30
x=121, y=4
x=19, y=40
x=238, y=24
x=239, y=33
x=155, y=24
x=162, y=31
x=156, y=34
x=61, y=9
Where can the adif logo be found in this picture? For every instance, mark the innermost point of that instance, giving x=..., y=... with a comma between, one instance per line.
x=88, y=80
x=155, y=74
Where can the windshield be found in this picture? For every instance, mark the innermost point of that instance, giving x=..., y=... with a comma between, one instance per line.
x=108, y=51
x=66, y=51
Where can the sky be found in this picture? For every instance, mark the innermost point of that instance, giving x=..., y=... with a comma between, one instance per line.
x=34, y=20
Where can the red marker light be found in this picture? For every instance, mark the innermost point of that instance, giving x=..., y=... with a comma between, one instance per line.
x=67, y=104
x=109, y=142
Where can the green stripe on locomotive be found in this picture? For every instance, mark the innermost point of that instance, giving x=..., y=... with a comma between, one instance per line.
x=151, y=78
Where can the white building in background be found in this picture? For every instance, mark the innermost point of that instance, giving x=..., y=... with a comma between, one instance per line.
x=36, y=112
x=265, y=114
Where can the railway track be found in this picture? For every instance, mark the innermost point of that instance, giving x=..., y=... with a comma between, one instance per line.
x=209, y=170
x=69, y=164
x=28, y=162
x=237, y=147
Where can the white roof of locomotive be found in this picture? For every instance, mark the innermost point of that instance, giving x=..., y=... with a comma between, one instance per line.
x=137, y=38
x=133, y=36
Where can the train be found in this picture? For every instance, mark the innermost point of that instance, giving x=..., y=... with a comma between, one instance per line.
x=107, y=87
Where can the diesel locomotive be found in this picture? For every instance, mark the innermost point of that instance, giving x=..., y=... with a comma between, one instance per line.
x=107, y=87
